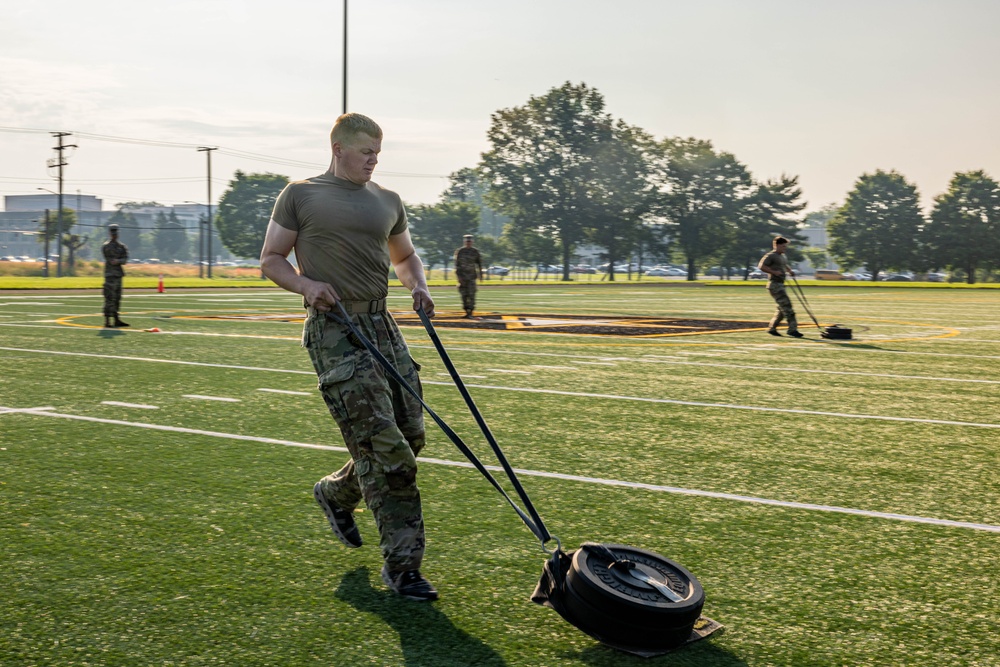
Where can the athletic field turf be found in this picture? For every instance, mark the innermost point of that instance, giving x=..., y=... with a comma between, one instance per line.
x=839, y=501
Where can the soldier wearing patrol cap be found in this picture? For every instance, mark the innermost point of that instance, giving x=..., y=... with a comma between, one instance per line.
x=775, y=265
x=115, y=256
x=468, y=269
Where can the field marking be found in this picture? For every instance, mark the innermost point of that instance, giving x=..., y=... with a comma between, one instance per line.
x=556, y=392
x=159, y=361
x=286, y=391
x=140, y=406
x=730, y=406
x=47, y=412
x=504, y=370
x=223, y=399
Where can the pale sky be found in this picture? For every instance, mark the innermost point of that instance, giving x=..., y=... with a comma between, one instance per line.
x=826, y=90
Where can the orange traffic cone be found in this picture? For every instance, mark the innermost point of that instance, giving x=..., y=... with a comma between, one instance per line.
x=159, y=287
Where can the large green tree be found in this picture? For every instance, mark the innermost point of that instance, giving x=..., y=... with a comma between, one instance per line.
x=964, y=227
x=468, y=185
x=437, y=229
x=620, y=195
x=701, y=193
x=530, y=246
x=245, y=209
x=878, y=224
x=542, y=159
x=771, y=209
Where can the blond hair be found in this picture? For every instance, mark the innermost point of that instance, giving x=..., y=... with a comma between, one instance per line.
x=350, y=125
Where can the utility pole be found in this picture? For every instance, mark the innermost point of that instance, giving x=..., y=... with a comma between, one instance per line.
x=208, y=153
x=345, y=56
x=60, y=163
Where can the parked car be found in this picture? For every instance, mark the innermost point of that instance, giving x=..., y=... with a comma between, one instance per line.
x=898, y=278
x=498, y=270
x=9, y=258
x=828, y=274
x=580, y=268
x=756, y=274
x=937, y=277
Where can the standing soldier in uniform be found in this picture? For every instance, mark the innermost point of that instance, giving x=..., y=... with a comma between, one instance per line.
x=468, y=269
x=775, y=265
x=345, y=231
x=115, y=255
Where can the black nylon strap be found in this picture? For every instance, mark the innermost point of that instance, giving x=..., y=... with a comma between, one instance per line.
x=522, y=494
x=536, y=527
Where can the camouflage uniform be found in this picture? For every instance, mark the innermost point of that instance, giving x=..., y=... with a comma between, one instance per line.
x=382, y=425
x=113, y=273
x=776, y=288
x=468, y=268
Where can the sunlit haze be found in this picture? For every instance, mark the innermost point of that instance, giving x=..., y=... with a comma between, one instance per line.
x=823, y=90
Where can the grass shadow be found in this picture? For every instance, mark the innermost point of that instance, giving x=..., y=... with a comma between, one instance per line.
x=427, y=637
x=110, y=333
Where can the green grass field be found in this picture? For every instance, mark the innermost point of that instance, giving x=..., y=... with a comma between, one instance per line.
x=840, y=502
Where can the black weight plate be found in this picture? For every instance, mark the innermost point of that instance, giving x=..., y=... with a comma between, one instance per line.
x=607, y=627
x=594, y=580
x=836, y=332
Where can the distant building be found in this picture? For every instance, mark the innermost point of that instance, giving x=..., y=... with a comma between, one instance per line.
x=23, y=215
x=34, y=203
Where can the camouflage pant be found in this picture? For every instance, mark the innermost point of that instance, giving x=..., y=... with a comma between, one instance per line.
x=467, y=288
x=785, y=310
x=382, y=425
x=112, y=295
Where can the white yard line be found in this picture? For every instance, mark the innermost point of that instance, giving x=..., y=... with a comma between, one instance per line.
x=46, y=412
x=223, y=399
x=140, y=406
x=730, y=406
x=286, y=391
x=157, y=361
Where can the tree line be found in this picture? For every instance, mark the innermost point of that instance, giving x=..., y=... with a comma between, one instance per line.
x=561, y=172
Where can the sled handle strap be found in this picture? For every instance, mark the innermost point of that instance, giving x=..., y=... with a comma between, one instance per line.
x=805, y=304
x=522, y=494
x=345, y=320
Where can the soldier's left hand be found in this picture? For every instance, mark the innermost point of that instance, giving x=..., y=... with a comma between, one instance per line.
x=422, y=299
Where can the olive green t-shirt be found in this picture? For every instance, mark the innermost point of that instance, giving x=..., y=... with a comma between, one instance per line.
x=343, y=231
x=776, y=261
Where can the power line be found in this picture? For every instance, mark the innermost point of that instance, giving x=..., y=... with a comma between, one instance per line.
x=231, y=152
